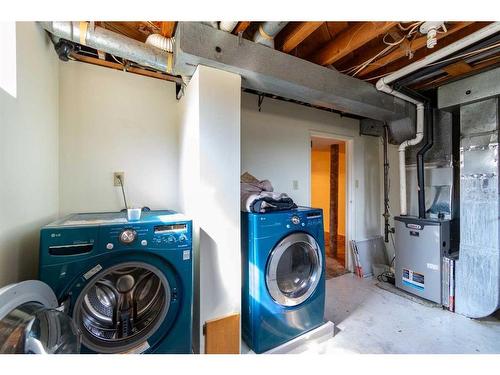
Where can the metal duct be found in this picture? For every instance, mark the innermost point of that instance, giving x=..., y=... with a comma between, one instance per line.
x=213, y=24
x=267, y=31
x=266, y=70
x=112, y=43
x=383, y=85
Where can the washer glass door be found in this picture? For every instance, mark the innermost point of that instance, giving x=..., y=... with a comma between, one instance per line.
x=122, y=306
x=294, y=269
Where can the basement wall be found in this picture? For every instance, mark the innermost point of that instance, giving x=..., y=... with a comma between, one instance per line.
x=210, y=192
x=275, y=145
x=112, y=121
x=28, y=154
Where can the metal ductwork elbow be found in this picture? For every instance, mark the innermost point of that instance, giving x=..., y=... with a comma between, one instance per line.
x=267, y=31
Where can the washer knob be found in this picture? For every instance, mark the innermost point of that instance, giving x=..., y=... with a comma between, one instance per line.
x=128, y=236
x=109, y=246
x=182, y=238
x=295, y=220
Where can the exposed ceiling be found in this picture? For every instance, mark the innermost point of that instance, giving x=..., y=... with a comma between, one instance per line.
x=366, y=50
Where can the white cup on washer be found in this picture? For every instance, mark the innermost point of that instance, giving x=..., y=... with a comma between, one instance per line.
x=133, y=214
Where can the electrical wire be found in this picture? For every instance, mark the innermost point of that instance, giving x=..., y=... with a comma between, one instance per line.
x=472, y=53
x=393, y=43
x=118, y=61
x=123, y=191
x=358, y=68
x=386, y=277
x=410, y=26
x=88, y=53
x=466, y=54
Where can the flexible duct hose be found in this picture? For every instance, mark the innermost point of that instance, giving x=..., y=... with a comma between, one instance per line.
x=161, y=42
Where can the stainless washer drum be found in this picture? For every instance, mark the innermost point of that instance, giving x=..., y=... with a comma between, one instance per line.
x=122, y=306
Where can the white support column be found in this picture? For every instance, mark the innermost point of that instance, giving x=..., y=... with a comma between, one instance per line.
x=209, y=189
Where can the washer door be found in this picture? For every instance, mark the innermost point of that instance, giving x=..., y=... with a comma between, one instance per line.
x=30, y=323
x=294, y=269
x=122, y=306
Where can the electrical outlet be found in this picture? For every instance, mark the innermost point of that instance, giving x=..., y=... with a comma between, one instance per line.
x=116, y=176
x=295, y=184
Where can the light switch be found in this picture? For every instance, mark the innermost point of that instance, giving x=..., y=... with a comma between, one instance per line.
x=295, y=184
x=356, y=184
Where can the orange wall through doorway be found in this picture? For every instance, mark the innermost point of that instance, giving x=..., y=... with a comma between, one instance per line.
x=320, y=184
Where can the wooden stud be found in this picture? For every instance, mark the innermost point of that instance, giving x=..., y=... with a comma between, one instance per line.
x=296, y=35
x=441, y=80
x=350, y=40
x=458, y=68
x=241, y=27
x=168, y=28
x=334, y=199
x=416, y=45
x=113, y=65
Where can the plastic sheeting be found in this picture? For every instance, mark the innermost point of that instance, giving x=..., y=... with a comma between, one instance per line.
x=478, y=267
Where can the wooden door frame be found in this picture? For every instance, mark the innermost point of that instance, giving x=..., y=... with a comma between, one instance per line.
x=333, y=231
x=349, y=188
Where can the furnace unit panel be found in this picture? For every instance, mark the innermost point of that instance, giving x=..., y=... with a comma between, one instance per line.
x=421, y=245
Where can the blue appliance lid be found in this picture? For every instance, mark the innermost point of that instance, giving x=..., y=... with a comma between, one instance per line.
x=117, y=218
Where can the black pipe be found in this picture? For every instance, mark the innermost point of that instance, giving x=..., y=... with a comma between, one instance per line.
x=429, y=139
x=386, y=184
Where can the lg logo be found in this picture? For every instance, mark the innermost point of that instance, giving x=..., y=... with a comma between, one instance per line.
x=53, y=235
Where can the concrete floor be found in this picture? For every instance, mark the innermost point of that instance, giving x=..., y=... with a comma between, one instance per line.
x=371, y=320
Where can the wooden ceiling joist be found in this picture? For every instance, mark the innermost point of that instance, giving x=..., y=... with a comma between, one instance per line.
x=241, y=27
x=415, y=45
x=168, y=28
x=459, y=69
x=130, y=69
x=296, y=35
x=350, y=40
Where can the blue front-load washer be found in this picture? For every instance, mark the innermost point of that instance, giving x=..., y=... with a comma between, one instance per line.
x=283, y=294
x=126, y=285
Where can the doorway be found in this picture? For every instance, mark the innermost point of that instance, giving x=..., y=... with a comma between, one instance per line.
x=328, y=192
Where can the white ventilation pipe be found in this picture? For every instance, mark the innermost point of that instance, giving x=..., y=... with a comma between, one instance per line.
x=227, y=26
x=161, y=42
x=267, y=31
x=383, y=85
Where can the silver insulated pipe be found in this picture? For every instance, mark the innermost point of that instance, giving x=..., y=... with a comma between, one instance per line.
x=112, y=43
x=267, y=31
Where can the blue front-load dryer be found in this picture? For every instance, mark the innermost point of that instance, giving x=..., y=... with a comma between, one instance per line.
x=283, y=294
x=127, y=285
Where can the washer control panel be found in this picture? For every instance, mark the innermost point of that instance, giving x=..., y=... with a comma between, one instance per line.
x=140, y=236
x=127, y=236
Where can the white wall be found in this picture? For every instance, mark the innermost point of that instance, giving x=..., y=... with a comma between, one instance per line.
x=210, y=191
x=116, y=121
x=28, y=154
x=275, y=145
